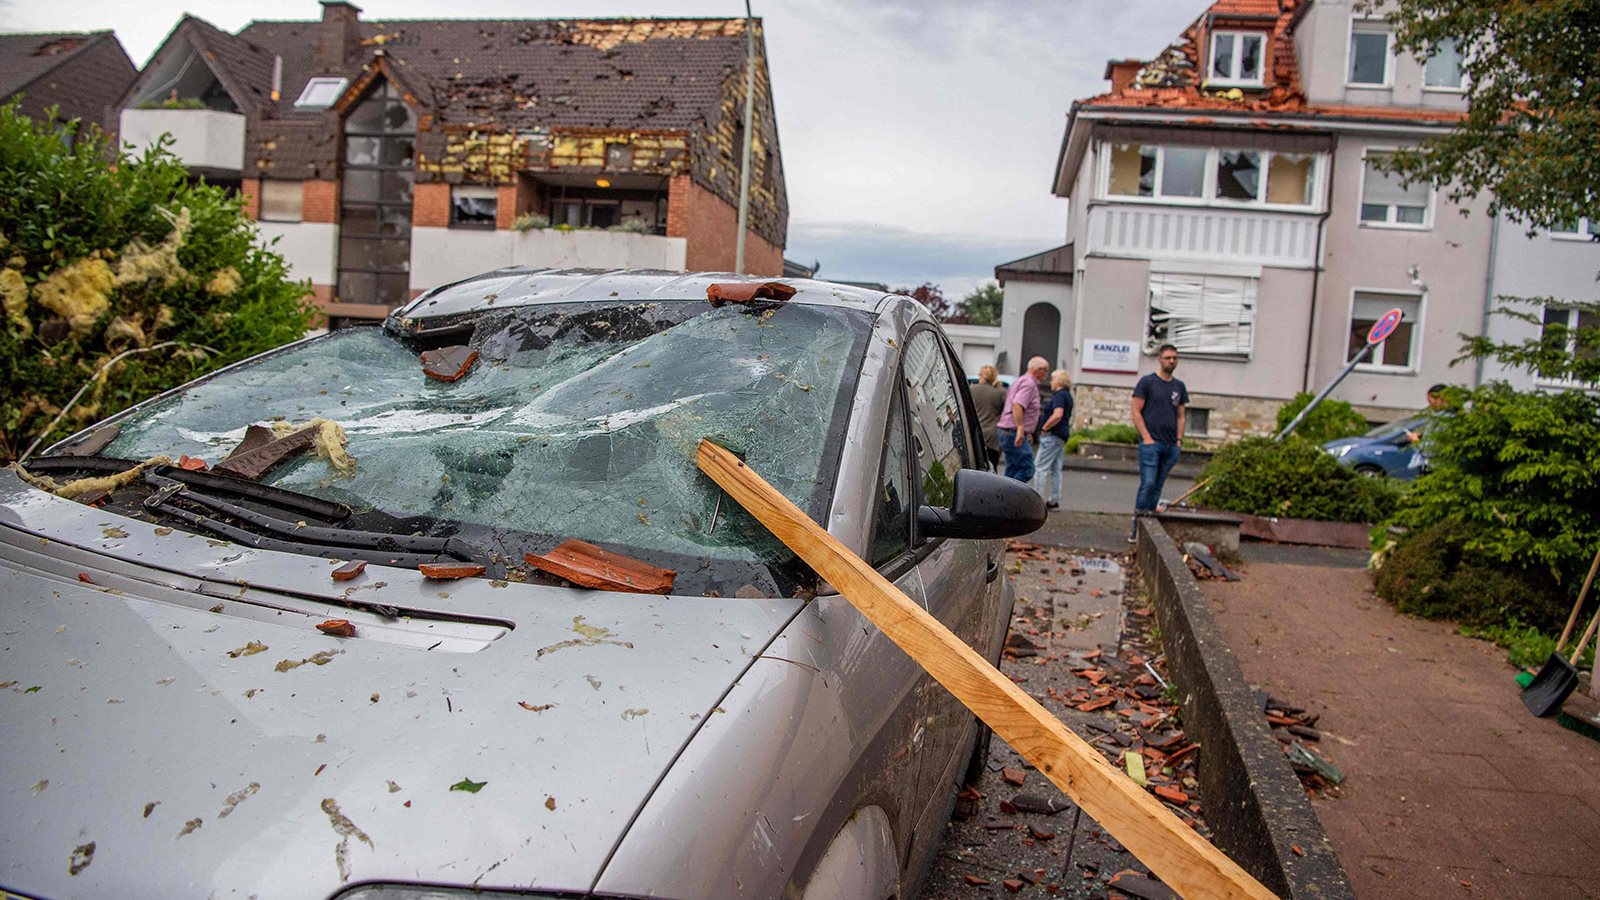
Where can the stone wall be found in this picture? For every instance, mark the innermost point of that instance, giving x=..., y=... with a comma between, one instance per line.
x=1227, y=418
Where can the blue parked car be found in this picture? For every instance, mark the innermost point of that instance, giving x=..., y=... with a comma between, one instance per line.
x=1385, y=450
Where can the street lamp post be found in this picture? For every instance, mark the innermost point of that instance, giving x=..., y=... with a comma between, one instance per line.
x=749, y=134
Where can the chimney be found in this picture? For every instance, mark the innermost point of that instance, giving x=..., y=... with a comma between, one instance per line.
x=339, y=35
x=1121, y=72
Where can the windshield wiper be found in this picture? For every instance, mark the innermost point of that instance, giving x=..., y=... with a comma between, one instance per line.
x=299, y=537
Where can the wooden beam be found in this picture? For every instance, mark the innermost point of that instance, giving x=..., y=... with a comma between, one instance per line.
x=1185, y=861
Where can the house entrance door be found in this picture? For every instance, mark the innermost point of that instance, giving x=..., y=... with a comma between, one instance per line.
x=1041, y=335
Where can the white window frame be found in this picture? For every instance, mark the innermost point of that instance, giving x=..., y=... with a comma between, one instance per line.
x=1251, y=303
x=1209, y=186
x=1414, y=364
x=1572, y=346
x=1587, y=230
x=1233, y=79
x=1368, y=26
x=318, y=85
x=1389, y=220
x=1445, y=88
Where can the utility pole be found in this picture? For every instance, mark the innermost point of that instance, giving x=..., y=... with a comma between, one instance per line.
x=749, y=133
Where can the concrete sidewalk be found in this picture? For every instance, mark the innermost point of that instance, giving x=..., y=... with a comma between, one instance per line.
x=1452, y=789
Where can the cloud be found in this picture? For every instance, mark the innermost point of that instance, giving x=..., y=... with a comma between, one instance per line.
x=903, y=257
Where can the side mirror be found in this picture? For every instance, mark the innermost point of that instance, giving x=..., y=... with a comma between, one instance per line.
x=985, y=505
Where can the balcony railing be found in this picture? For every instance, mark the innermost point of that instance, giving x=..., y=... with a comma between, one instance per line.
x=1219, y=235
x=205, y=139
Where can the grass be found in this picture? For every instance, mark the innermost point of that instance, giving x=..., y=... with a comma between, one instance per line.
x=1527, y=646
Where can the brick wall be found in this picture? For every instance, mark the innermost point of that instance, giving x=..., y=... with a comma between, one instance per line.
x=430, y=205
x=506, y=206
x=711, y=227
x=250, y=191
x=319, y=201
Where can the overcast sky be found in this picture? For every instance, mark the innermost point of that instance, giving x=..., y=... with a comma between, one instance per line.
x=919, y=137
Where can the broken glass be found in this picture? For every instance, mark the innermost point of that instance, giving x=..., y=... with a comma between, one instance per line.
x=578, y=420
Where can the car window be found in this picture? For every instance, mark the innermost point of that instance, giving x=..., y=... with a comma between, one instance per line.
x=1398, y=427
x=891, y=522
x=938, y=435
x=578, y=420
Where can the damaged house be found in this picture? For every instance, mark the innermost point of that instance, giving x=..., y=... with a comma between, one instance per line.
x=1224, y=199
x=80, y=75
x=390, y=157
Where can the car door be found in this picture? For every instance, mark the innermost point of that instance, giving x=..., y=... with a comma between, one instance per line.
x=957, y=576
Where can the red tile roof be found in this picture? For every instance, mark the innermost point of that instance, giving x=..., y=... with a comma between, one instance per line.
x=1174, y=80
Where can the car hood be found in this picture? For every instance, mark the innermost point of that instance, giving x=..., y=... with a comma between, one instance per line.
x=1333, y=445
x=500, y=735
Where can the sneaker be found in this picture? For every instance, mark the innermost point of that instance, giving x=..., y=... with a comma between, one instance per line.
x=1051, y=504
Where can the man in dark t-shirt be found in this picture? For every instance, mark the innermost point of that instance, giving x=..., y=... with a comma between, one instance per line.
x=1158, y=405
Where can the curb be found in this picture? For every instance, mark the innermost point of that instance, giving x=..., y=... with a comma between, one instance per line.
x=1254, y=804
x=1125, y=466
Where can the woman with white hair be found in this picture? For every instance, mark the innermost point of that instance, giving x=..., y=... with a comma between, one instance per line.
x=1053, y=433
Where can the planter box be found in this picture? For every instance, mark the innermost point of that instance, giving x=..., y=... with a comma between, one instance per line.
x=1130, y=452
x=1351, y=535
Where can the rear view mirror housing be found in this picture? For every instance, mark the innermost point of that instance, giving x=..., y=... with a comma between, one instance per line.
x=985, y=505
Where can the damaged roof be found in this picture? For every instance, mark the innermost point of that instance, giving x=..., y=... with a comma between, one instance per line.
x=1175, y=79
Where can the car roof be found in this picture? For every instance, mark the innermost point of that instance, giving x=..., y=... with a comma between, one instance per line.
x=528, y=286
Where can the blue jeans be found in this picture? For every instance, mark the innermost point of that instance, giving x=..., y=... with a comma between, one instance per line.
x=1047, y=475
x=1019, y=459
x=1155, y=461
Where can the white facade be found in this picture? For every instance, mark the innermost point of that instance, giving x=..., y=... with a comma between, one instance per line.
x=310, y=248
x=975, y=345
x=204, y=139
x=444, y=255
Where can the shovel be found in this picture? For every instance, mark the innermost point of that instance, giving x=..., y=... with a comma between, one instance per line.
x=1558, y=676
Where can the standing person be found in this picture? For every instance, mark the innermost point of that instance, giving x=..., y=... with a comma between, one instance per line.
x=989, y=397
x=1158, y=405
x=1020, y=417
x=1053, y=438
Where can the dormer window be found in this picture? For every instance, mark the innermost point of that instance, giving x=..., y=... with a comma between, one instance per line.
x=320, y=93
x=1236, y=57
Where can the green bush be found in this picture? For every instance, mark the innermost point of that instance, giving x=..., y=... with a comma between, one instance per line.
x=102, y=253
x=1436, y=573
x=1331, y=420
x=1519, y=472
x=1110, y=433
x=1292, y=478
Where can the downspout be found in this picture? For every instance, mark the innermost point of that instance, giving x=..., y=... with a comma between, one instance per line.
x=1316, y=271
x=1488, y=290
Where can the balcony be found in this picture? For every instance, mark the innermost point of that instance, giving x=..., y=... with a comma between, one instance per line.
x=442, y=255
x=1147, y=231
x=208, y=141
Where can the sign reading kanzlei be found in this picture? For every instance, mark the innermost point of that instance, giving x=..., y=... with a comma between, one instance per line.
x=1110, y=356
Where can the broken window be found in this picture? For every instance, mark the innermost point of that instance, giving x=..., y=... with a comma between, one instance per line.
x=1443, y=68
x=1209, y=314
x=1291, y=179
x=1385, y=201
x=473, y=206
x=1398, y=350
x=1561, y=326
x=938, y=437
x=1238, y=175
x=891, y=520
x=1133, y=170
x=280, y=200
x=578, y=421
x=1369, y=53
x=1236, y=57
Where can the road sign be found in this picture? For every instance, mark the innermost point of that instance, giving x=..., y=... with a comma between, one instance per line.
x=1384, y=327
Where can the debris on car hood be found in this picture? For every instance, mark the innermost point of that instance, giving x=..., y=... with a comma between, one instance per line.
x=586, y=565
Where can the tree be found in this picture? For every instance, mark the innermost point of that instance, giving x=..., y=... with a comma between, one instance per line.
x=932, y=297
x=1532, y=77
x=982, y=306
x=120, y=279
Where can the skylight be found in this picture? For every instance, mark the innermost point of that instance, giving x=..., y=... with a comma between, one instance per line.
x=321, y=92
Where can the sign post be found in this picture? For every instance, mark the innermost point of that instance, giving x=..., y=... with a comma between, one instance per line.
x=1379, y=332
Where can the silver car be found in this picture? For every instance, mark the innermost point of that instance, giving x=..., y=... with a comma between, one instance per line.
x=205, y=693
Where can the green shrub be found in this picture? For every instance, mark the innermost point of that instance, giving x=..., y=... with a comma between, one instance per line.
x=102, y=253
x=1292, y=478
x=1526, y=646
x=1110, y=433
x=1519, y=472
x=1331, y=420
x=1435, y=573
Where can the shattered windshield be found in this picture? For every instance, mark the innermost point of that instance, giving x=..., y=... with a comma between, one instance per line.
x=575, y=421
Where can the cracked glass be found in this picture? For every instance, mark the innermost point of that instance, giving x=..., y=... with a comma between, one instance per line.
x=578, y=420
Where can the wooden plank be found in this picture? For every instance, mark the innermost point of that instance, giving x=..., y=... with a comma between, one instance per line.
x=1184, y=860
